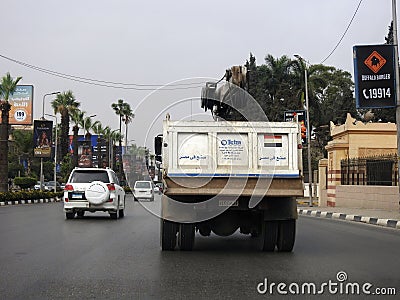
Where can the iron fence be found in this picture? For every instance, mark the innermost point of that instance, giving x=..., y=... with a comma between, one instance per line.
x=375, y=170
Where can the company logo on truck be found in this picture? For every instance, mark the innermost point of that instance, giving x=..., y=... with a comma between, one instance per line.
x=230, y=142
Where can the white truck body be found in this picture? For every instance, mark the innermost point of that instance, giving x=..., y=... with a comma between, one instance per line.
x=223, y=176
x=231, y=149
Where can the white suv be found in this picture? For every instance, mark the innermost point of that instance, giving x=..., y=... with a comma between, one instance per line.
x=143, y=190
x=93, y=189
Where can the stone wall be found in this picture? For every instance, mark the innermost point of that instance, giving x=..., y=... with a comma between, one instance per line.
x=368, y=196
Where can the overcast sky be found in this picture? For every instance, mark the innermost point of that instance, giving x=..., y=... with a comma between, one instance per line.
x=159, y=42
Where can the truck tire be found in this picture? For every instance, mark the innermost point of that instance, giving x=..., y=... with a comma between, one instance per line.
x=270, y=235
x=286, y=235
x=167, y=235
x=186, y=237
x=80, y=213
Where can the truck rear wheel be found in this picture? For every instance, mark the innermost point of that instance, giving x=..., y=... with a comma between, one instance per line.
x=270, y=235
x=286, y=235
x=186, y=237
x=168, y=235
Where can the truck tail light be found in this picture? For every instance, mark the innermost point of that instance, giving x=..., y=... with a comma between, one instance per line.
x=110, y=200
x=111, y=186
x=66, y=200
x=68, y=187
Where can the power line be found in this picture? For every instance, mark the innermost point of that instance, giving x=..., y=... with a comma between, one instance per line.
x=348, y=26
x=108, y=84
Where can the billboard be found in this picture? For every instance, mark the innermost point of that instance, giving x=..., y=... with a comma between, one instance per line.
x=21, y=106
x=291, y=115
x=42, y=137
x=84, y=154
x=374, y=76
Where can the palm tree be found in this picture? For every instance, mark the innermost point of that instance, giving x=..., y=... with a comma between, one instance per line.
x=7, y=87
x=98, y=130
x=65, y=103
x=127, y=118
x=116, y=136
x=76, y=117
x=278, y=72
x=107, y=136
x=119, y=111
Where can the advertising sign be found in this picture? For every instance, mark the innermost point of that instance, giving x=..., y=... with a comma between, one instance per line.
x=232, y=149
x=290, y=116
x=21, y=105
x=84, y=154
x=374, y=76
x=42, y=137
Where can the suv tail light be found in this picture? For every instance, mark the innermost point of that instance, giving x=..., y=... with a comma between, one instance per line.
x=111, y=186
x=68, y=187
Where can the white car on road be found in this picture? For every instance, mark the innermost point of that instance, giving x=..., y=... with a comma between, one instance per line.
x=93, y=189
x=143, y=190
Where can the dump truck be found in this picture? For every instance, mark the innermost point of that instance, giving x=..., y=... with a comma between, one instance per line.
x=238, y=172
x=223, y=176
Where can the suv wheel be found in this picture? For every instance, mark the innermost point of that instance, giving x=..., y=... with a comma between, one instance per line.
x=69, y=215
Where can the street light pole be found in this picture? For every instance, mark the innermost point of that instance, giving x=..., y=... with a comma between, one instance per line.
x=397, y=78
x=41, y=159
x=55, y=154
x=310, y=175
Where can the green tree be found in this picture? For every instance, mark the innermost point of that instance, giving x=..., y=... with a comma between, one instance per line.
x=119, y=107
x=127, y=118
x=65, y=103
x=99, y=131
x=7, y=87
x=76, y=117
x=21, y=151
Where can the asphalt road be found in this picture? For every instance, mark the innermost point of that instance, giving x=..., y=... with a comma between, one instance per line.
x=44, y=256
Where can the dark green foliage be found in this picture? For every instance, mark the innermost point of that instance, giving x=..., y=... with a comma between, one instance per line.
x=25, y=182
x=279, y=85
x=28, y=195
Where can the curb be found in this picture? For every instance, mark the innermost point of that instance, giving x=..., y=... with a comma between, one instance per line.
x=355, y=218
x=17, y=202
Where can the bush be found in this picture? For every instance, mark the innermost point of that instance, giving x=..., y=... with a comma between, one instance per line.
x=28, y=195
x=25, y=182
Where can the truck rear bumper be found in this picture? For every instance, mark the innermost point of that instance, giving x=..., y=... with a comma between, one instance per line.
x=264, y=187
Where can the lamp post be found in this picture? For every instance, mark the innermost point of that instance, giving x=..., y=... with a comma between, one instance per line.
x=55, y=153
x=310, y=179
x=396, y=59
x=41, y=159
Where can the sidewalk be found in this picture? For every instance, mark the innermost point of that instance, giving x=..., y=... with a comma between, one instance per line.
x=371, y=216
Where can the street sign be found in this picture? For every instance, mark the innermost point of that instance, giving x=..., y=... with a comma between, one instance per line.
x=374, y=76
x=300, y=116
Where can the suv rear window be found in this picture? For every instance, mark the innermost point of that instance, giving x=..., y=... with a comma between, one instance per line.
x=142, y=185
x=86, y=176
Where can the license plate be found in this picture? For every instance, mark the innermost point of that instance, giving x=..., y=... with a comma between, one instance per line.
x=228, y=203
x=77, y=196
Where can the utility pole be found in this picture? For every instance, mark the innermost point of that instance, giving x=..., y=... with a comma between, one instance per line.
x=396, y=65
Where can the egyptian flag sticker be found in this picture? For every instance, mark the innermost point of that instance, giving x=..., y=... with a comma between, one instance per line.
x=272, y=140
